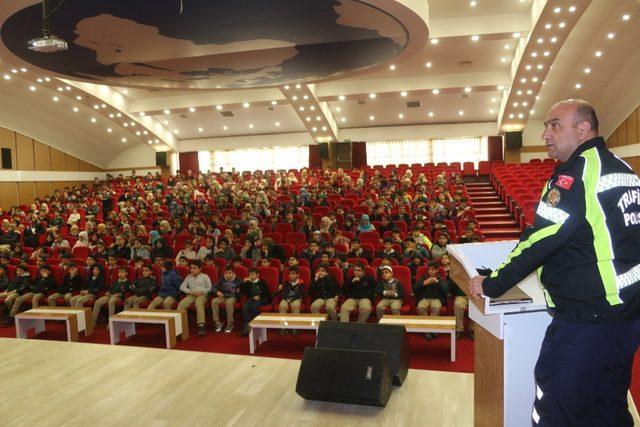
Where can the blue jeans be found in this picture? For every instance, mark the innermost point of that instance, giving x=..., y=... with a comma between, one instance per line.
x=583, y=374
x=251, y=309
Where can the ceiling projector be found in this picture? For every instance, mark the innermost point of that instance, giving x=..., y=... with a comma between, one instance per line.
x=47, y=44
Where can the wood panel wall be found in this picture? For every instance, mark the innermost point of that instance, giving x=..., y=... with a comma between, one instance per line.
x=30, y=155
x=627, y=134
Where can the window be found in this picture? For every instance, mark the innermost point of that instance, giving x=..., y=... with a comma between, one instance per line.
x=449, y=150
x=250, y=159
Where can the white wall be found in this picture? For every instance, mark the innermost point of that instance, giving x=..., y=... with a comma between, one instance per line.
x=135, y=157
x=391, y=133
x=208, y=144
x=532, y=133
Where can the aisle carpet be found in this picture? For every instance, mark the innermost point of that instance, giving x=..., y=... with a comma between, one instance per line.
x=430, y=355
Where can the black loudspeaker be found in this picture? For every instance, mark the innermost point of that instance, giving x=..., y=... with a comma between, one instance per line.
x=391, y=339
x=6, y=158
x=346, y=376
x=324, y=150
x=161, y=158
x=513, y=139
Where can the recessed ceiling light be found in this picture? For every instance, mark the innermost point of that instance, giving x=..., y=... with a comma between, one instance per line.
x=219, y=107
x=97, y=107
x=225, y=128
x=343, y=120
x=392, y=67
x=500, y=87
x=324, y=128
x=534, y=79
x=516, y=35
x=401, y=116
x=553, y=39
x=578, y=86
x=430, y=114
x=428, y=65
x=372, y=95
x=511, y=116
x=305, y=97
x=141, y=113
x=525, y=104
x=515, y=105
x=250, y=125
x=561, y=25
x=150, y=141
x=540, y=66
x=166, y=122
x=494, y=99
x=176, y=131
x=598, y=53
x=341, y=97
x=286, y=87
x=557, y=10
x=294, y=97
x=124, y=139
x=40, y=80
x=144, y=132
x=503, y=59
x=312, y=108
x=467, y=89
x=298, y=86
x=132, y=124
x=519, y=92
x=523, y=80
x=14, y=71
x=625, y=17
x=111, y=116
x=546, y=53
x=32, y=88
x=56, y=99
x=60, y=89
x=67, y=88
x=167, y=112
x=246, y=104
x=314, y=129
x=372, y=118
x=47, y=79
x=435, y=91
x=403, y=93
x=138, y=133
x=338, y=109
x=24, y=70
x=109, y=130
x=126, y=91
x=125, y=124
x=529, y=92
x=192, y=109
x=587, y=70
x=434, y=41
x=272, y=103
x=611, y=35
x=308, y=119
x=318, y=118
x=520, y=116
x=507, y=46
x=534, y=54
x=528, y=66
x=93, y=120
x=301, y=108
x=473, y=3
x=491, y=111
x=532, y=111
x=461, y=113
x=104, y=105
x=199, y=130
x=75, y=109
x=118, y=115
x=540, y=40
x=475, y=38
x=277, y=124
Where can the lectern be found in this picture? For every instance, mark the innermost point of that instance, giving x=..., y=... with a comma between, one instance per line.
x=508, y=338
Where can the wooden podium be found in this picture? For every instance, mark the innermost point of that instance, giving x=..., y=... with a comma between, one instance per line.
x=507, y=339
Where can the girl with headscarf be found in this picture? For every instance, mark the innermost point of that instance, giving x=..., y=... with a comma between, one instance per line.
x=365, y=225
x=83, y=240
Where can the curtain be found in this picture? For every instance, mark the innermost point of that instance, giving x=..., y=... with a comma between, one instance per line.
x=314, y=157
x=189, y=162
x=467, y=149
x=358, y=154
x=398, y=152
x=263, y=158
x=495, y=149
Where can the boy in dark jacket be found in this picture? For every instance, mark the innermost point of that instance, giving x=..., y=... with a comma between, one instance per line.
x=428, y=291
x=390, y=290
x=4, y=280
x=93, y=285
x=226, y=291
x=71, y=284
x=324, y=292
x=42, y=285
x=19, y=290
x=114, y=295
x=169, y=288
x=142, y=289
x=359, y=291
x=292, y=291
x=258, y=294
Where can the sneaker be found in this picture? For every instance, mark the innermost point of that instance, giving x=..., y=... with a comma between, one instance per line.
x=245, y=332
x=201, y=330
x=283, y=332
x=229, y=328
x=218, y=327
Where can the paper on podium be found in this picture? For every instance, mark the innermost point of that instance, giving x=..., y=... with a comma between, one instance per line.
x=491, y=255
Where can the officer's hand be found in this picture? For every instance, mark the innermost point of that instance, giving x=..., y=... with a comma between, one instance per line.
x=475, y=287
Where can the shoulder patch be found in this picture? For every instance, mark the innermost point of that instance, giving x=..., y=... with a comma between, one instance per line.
x=553, y=197
x=565, y=181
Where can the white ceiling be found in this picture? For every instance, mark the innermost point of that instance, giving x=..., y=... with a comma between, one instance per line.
x=457, y=62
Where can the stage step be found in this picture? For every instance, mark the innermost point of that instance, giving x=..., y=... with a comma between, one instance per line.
x=492, y=198
x=493, y=217
x=482, y=205
x=491, y=225
x=491, y=211
x=495, y=232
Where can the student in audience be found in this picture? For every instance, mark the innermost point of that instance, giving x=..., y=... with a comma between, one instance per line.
x=357, y=251
x=186, y=252
x=440, y=247
x=93, y=285
x=388, y=250
x=460, y=301
x=142, y=288
x=43, y=284
x=114, y=295
x=428, y=291
x=359, y=291
x=139, y=250
x=324, y=292
x=312, y=253
x=292, y=292
x=226, y=291
x=224, y=250
x=161, y=250
x=71, y=284
x=364, y=224
x=258, y=294
x=169, y=288
x=18, y=291
x=389, y=289
x=196, y=287
x=120, y=249
x=4, y=280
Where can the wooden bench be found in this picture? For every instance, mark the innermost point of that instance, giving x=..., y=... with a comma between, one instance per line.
x=76, y=319
x=175, y=323
x=264, y=321
x=426, y=325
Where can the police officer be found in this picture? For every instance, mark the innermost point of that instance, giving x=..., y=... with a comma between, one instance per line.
x=585, y=245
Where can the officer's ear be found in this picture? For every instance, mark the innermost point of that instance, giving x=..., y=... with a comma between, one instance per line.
x=584, y=130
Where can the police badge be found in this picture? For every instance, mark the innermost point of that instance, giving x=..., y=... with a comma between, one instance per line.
x=553, y=197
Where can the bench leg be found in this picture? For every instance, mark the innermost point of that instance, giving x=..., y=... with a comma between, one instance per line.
x=262, y=335
x=453, y=346
x=252, y=343
x=114, y=331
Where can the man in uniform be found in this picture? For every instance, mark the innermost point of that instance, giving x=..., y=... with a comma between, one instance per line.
x=585, y=245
